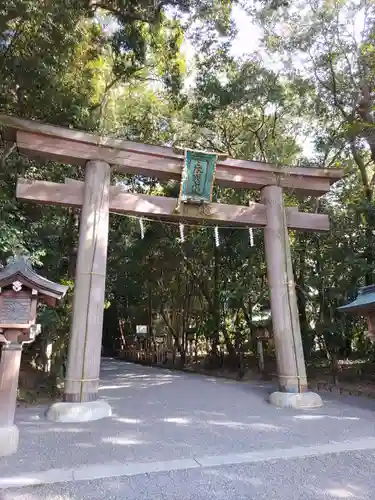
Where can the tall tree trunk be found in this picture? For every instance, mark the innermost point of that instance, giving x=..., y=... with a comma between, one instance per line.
x=175, y=335
x=110, y=328
x=73, y=237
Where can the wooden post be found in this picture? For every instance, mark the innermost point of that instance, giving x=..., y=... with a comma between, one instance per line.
x=10, y=363
x=260, y=355
x=9, y=375
x=82, y=379
x=289, y=352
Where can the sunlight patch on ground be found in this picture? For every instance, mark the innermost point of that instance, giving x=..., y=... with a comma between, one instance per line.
x=107, y=387
x=340, y=493
x=28, y=422
x=128, y=420
x=177, y=420
x=215, y=413
x=233, y=425
x=54, y=430
x=122, y=441
x=244, y=425
x=155, y=384
x=31, y=419
x=111, y=398
x=65, y=429
x=145, y=376
x=266, y=427
x=320, y=417
x=22, y=480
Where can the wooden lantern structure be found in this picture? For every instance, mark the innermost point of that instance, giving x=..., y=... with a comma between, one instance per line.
x=364, y=305
x=21, y=290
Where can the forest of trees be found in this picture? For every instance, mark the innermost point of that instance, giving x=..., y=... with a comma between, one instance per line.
x=303, y=94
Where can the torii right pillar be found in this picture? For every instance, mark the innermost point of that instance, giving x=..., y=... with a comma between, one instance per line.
x=293, y=390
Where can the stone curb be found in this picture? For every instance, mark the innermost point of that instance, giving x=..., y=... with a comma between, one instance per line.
x=112, y=469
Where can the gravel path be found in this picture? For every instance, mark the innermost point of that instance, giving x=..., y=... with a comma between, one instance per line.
x=186, y=436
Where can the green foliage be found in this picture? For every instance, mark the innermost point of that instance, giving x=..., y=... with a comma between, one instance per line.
x=47, y=61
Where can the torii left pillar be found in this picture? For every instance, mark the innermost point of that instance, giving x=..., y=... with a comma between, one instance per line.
x=81, y=403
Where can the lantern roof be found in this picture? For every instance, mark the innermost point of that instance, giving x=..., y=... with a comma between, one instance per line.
x=364, y=302
x=20, y=270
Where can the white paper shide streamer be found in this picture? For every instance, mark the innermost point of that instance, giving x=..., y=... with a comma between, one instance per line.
x=142, y=228
x=182, y=233
x=251, y=236
x=217, y=239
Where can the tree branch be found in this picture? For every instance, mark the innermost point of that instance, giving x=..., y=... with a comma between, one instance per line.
x=125, y=17
x=8, y=150
x=361, y=165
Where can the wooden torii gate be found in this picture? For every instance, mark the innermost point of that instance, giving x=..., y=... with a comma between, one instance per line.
x=97, y=198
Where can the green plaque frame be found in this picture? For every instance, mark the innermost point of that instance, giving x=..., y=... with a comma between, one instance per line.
x=198, y=177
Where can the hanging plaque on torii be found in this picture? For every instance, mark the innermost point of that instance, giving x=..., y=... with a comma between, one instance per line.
x=198, y=177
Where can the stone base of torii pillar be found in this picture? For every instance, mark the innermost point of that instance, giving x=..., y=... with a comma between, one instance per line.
x=9, y=439
x=299, y=401
x=79, y=412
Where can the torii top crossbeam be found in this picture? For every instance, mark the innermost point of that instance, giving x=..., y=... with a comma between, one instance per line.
x=77, y=147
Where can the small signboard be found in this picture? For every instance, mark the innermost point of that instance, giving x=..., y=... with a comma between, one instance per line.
x=15, y=309
x=141, y=331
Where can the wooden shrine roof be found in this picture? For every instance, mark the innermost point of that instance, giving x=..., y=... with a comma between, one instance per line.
x=21, y=270
x=76, y=147
x=364, y=302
